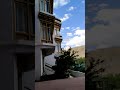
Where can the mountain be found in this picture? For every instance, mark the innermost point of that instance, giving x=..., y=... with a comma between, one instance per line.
x=111, y=57
x=80, y=50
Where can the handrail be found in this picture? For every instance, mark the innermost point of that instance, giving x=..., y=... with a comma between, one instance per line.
x=48, y=64
x=27, y=88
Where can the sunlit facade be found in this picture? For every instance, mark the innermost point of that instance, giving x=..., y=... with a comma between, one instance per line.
x=45, y=38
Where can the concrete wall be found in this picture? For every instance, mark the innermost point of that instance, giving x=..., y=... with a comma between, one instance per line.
x=6, y=68
x=15, y=75
x=50, y=60
x=38, y=51
x=6, y=46
x=28, y=80
x=38, y=63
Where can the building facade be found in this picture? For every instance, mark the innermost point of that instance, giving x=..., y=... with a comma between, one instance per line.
x=18, y=44
x=49, y=60
x=27, y=28
x=45, y=38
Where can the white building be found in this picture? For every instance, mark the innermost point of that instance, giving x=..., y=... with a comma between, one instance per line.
x=45, y=37
x=49, y=60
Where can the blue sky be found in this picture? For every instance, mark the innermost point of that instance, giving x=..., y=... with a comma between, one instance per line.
x=72, y=15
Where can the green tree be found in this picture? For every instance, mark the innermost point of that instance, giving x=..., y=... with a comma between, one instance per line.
x=64, y=62
x=79, y=64
x=92, y=72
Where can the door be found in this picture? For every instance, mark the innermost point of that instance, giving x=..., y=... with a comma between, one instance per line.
x=25, y=65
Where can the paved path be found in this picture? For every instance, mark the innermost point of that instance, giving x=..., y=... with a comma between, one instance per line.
x=63, y=84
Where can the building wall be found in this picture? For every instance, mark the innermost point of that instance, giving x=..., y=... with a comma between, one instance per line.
x=6, y=68
x=15, y=75
x=28, y=80
x=6, y=46
x=38, y=51
x=9, y=48
x=41, y=49
x=38, y=63
x=50, y=60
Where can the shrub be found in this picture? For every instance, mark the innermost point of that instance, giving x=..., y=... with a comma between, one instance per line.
x=64, y=62
x=111, y=81
x=92, y=73
x=79, y=64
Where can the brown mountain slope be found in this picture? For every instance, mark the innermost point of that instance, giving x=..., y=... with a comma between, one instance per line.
x=111, y=57
x=81, y=50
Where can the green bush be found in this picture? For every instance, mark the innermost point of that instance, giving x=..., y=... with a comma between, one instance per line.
x=112, y=81
x=79, y=64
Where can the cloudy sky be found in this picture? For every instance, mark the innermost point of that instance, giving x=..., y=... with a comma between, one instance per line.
x=72, y=15
x=103, y=23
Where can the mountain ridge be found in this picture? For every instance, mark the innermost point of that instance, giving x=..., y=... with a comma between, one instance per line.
x=80, y=50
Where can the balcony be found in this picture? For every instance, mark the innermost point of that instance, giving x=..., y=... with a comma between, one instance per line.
x=58, y=38
x=46, y=32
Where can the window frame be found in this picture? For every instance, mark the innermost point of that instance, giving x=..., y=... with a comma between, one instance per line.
x=45, y=6
x=49, y=34
x=29, y=35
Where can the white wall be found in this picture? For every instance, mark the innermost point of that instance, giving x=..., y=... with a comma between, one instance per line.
x=38, y=63
x=38, y=52
x=50, y=59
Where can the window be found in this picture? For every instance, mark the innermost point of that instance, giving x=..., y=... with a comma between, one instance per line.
x=32, y=19
x=25, y=26
x=41, y=5
x=45, y=6
x=43, y=31
x=46, y=32
x=21, y=18
x=48, y=5
x=49, y=34
x=57, y=32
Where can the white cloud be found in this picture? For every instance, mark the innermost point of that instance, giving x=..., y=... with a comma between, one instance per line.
x=54, y=14
x=83, y=1
x=75, y=28
x=65, y=17
x=69, y=34
x=79, y=32
x=107, y=34
x=77, y=40
x=62, y=28
x=67, y=28
x=58, y=3
x=71, y=8
x=66, y=47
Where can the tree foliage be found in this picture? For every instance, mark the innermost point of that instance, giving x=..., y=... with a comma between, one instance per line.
x=79, y=64
x=92, y=72
x=112, y=81
x=64, y=62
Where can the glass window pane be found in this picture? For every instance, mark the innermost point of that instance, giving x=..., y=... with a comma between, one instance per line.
x=48, y=9
x=43, y=31
x=41, y=5
x=32, y=19
x=21, y=17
